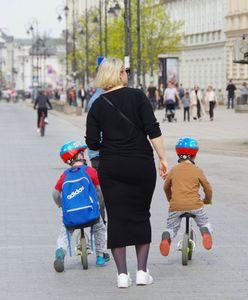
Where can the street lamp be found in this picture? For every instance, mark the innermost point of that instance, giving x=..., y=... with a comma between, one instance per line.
x=64, y=10
x=32, y=28
x=112, y=10
x=138, y=45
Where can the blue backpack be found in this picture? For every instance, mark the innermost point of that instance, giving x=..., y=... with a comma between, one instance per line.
x=79, y=200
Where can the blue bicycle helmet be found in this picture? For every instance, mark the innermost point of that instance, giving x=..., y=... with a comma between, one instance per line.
x=69, y=150
x=187, y=147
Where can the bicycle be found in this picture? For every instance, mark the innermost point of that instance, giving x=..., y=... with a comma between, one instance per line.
x=84, y=244
x=42, y=123
x=187, y=244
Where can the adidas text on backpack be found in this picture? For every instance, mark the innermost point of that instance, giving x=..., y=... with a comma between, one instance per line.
x=79, y=199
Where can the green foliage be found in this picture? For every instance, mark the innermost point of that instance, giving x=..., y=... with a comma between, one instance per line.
x=159, y=35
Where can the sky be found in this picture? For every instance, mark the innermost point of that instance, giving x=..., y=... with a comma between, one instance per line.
x=16, y=14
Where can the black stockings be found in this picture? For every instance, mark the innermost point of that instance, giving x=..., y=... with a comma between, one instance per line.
x=119, y=255
x=142, y=252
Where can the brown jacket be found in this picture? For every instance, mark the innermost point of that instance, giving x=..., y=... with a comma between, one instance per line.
x=182, y=187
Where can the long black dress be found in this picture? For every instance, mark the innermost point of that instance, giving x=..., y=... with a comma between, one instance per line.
x=127, y=171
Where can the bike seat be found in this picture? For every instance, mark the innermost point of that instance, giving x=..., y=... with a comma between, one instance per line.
x=187, y=215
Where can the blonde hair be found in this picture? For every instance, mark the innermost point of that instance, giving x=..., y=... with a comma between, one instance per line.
x=108, y=74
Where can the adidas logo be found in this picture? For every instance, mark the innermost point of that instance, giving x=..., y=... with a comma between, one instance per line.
x=75, y=193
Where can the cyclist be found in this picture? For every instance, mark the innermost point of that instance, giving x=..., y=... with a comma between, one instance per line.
x=72, y=153
x=43, y=103
x=182, y=191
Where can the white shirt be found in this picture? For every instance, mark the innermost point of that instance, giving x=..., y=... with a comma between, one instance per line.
x=211, y=96
x=170, y=94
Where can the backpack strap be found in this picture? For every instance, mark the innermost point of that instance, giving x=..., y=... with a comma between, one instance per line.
x=69, y=240
x=121, y=113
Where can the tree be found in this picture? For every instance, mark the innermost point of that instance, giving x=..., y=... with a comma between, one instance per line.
x=159, y=35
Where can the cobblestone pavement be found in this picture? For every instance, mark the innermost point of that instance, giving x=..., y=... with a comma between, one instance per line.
x=29, y=220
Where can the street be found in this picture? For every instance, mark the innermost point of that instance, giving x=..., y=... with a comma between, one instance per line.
x=30, y=221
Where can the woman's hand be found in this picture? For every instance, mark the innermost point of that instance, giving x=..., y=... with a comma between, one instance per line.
x=163, y=168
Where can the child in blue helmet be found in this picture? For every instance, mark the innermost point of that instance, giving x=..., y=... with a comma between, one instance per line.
x=72, y=153
x=182, y=191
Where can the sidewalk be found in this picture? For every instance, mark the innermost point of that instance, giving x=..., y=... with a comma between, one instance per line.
x=227, y=134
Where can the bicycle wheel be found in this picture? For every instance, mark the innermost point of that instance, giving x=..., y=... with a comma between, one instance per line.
x=42, y=131
x=191, y=247
x=84, y=253
x=185, y=249
x=42, y=126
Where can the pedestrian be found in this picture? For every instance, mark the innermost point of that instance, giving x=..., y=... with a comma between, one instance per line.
x=182, y=192
x=62, y=96
x=72, y=96
x=196, y=103
x=231, y=88
x=81, y=95
x=211, y=99
x=161, y=96
x=171, y=97
x=72, y=153
x=181, y=91
x=152, y=95
x=186, y=105
x=244, y=93
x=127, y=171
x=94, y=154
x=43, y=104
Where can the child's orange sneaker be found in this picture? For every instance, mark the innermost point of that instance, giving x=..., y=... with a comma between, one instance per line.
x=206, y=238
x=165, y=243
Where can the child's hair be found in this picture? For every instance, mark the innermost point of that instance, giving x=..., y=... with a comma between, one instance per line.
x=187, y=94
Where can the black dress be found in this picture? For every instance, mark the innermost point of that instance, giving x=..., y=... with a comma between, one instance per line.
x=127, y=171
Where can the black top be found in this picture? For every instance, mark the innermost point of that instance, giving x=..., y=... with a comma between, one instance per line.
x=151, y=91
x=42, y=101
x=231, y=88
x=118, y=135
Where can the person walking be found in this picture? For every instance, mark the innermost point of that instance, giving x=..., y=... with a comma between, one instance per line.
x=72, y=96
x=196, y=103
x=211, y=99
x=152, y=95
x=161, y=96
x=244, y=93
x=127, y=170
x=171, y=97
x=181, y=91
x=81, y=95
x=186, y=105
x=231, y=88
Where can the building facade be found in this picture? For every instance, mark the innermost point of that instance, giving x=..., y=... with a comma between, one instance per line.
x=236, y=29
x=202, y=61
x=7, y=67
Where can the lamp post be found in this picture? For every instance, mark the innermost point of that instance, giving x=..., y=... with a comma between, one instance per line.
x=32, y=28
x=87, y=43
x=112, y=10
x=64, y=10
x=138, y=44
x=22, y=56
x=100, y=24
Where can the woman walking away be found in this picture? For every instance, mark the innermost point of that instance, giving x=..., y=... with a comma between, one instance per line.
x=196, y=103
x=118, y=124
x=211, y=99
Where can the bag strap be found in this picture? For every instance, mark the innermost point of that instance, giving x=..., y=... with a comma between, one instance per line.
x=121, y=113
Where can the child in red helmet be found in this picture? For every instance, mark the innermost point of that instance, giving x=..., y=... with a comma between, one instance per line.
x=72, y=153
x=182, y=191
